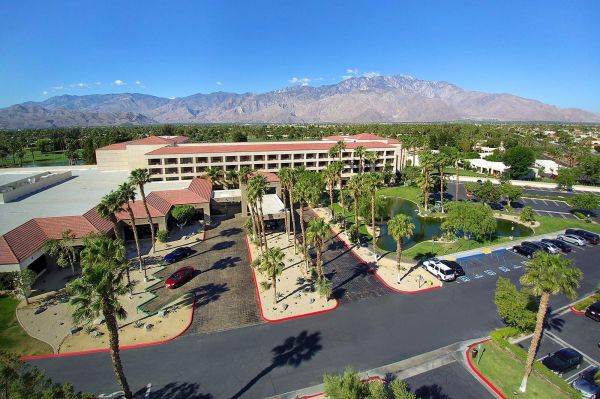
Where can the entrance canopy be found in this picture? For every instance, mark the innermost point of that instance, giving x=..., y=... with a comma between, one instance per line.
x=272, y=207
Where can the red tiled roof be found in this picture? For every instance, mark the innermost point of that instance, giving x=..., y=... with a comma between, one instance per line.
x=361, y=136
x=146, y=141
x=180, y=197
x=263, y=147
x=271, y=177
x=202, y=187
x=7, y=256
x=139, y=212
x=102, y=225
x=54, y=226
x=158, y=202
x=25, y=239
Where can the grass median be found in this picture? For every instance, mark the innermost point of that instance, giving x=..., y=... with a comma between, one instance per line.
x=12, y=336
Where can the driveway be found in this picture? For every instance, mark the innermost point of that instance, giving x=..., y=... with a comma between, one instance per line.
x=223, y=283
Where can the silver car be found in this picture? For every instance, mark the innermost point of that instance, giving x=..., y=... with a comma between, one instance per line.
x=572, y=239
x=586, y=386
x=553, y=249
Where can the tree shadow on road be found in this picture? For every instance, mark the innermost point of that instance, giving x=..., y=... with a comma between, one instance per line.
x=431, y=392
x=293, y=352
x=209, y=293
x=175, y=390
x=224, y=263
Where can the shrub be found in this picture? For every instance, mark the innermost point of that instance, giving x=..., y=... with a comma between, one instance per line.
x=324, y=287
x=353, y=234
x=527, y=214
x=183, y=214
x=516, y=308
x=162, y=236
x=7, y=281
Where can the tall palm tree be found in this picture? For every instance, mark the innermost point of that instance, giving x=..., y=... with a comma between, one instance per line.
x=441, y=161
x=371, y=157
x=97, y=293
x=359, y=152
x=252, y=203
x=307, y=190
x=400, y=227
x=453, y=156
x=108, y=209
x=547, y=275
x=372, y=182
x=330, y=176
x=292, y=180
x=355, y=186
x=258, y=186
x=427, y=163
x=126, y=194
x=232, y=178
x=271, y=263
x=317, y=233
x=284, y=179
x=139, y=177
x=214, y=174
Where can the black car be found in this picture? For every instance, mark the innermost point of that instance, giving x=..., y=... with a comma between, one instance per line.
x=563, y=360
x=533, y=245
x=178, y=254
x=456, y=268
x=590, y=237
x=525, y=250
x=593, y=311
x=563, y=246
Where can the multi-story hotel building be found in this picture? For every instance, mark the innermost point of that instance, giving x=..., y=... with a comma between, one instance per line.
x=172, y=158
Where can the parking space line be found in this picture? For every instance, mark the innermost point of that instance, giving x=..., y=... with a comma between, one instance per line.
x=566, y=345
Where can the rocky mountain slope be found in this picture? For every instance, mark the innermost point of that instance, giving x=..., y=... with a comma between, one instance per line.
x=361, y=99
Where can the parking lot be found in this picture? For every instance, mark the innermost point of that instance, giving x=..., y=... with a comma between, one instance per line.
x=498, y=262
x=545, y=207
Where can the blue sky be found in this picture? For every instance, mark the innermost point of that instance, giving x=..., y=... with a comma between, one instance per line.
x=547, y=50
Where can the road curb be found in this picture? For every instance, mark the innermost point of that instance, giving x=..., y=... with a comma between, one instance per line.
x=481, y=376
x=125, y=347
x=262, y=314
x=572, y=309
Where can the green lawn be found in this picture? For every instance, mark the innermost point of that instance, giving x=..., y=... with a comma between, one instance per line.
x=54, y=156
x=12, y=337
x=425, y=250
x=505, y=371
x=550, y=224
x=410, y=193
x=463, y=172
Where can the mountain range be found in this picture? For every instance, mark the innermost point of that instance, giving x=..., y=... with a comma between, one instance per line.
x=397, y=98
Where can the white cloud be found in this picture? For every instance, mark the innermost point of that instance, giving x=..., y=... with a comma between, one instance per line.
x=137, y=82
x=45, y=92
x=140, y=84
x=119, y=82
x=58, y=88
x=370, y=74
x=82, y=84
x=347, y=76
x=172, y=98
x=302, y=81
x=98, y=83
x=352, y=71
x=218, y=83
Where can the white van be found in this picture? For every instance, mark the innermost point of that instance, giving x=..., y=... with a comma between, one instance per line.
x=440, y=270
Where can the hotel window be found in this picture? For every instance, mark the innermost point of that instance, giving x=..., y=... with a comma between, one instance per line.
x=259, y=157
x=285, y=165
x=171, y=178
x=231, y=158
x=171, y=161
x=285, y=157
x=201, y=169
x=310, y=164
x=311, y=156
x=187, y=169
x=245, y=158
x=187, y=177
x=273, y=166
x=296, y=164
x=272, y=157
x=216, y=159
x=298, y=156
x=157, y=161
x=259, y=166
x=323, y=155
x=231, y=167
x=322, y=164
x=171, y=171
x=187, y=160
x=156, y=171
x=201, y=160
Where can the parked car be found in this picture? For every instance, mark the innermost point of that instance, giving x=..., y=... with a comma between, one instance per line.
x=178, y=278
x=549, y=247
x=533, y=244
x=586, y=385
x=572, y=239
x=559, y=244
x=439, y=270
x=590, y=237
x=456, y=268
x=593, y=311
x=178, y=254
x=564, y=360
x=525, y=250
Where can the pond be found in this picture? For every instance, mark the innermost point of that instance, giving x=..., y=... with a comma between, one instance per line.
x=427, y=227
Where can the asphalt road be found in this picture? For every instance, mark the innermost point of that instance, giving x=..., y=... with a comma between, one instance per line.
x=271, y=358
x=451, y=381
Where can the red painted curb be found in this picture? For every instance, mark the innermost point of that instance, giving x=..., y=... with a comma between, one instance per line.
x=485, y=380
x=135, y=346
x=372, y=270
x=572, y=308
x=337, y=302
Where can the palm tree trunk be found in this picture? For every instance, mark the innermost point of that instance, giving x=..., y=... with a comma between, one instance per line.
x=304, y=246
x=535, y=341
x=293, y=216
x=287, y=221
x=258, y=227
x=137, y=241
x=442, y=188
x=399, y=257
x=149, y=218
x=373, y=215
x=274, y=289
x=331, y=201
x=262, y=223
x=120, y=239
x=356, y=211
x=426, y=190
x=113, y=337
x=457, y=181
x=254, y=231
x=319, y=265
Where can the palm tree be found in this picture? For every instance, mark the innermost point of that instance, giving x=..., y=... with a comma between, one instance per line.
x=371, y=157
x=97, y=293
x=108, y=209
x=441, y=161
x=139, y=177
x=547, y=275
x=271, y=263
x=307, y=190
x=427, y=162
x=359, y=152
x=126, y=195
x=400, y=227
x=330, y=176
x=257, y=187
x=291, y=183
x=251, y=197
x=232, y=178
x=284, y=179
x=453, y=156
x=63, y=250
x=355, y=185
x=317, y=233
x=214, y=174
x=373, y=182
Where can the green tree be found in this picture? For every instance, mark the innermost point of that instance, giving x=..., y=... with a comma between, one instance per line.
x=271, y=264
x=355, y=187
x=586, y=202
x=471, y=187
x=22, y=281
x=360, y=152
x=97, y=293
x=257, y=187
x=474, y=220
x=567, y=177
x=547, y=275
x=317, y=233
x=527, y=214
x=371, y=158
x=441, y=160
x=373, y=181
x=427, y=163
x=214, y=174
x=183, y=214
x=400, y=227
x=453, y=157
x=307, y=190
x=330, y=176
x=511, y=193
x=231, y=176
x=589, y=168
x=126, y=195
x=515, y=307
x=63, y=250
x=519, y=160
x=487, y=192
x=349, y=386
x=139, y=177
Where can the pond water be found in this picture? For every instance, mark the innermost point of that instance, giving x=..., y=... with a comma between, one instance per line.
x=427, y=227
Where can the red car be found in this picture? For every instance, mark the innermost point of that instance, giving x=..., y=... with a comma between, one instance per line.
x=179, y=277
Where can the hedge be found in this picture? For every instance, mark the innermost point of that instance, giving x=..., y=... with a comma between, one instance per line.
x=500, y=337
x=7, y=281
